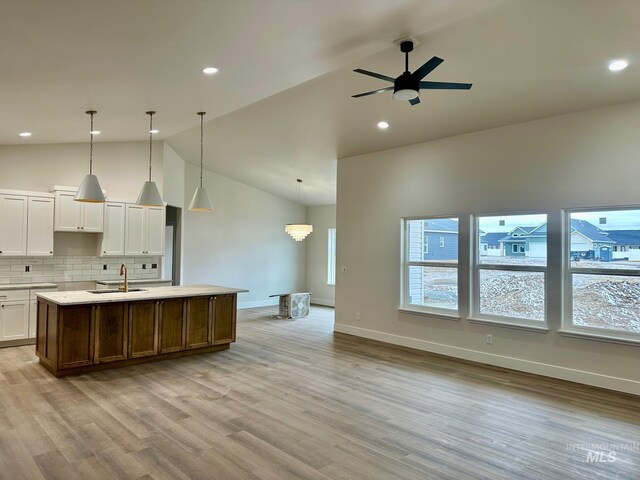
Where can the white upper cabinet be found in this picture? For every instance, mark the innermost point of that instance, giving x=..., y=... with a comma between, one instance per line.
x=113, y=238
x=40, y=227
x=144, y=230
x=13, y=225
x=155, y=230
x=72, y=216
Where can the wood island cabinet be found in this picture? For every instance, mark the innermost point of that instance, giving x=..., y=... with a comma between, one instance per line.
x=75, y=339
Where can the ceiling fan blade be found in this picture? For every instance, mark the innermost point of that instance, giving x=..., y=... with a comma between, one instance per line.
x=380, y=90
x=427, y=68
x=445, y=86
x=375, y=75
x=415, y=101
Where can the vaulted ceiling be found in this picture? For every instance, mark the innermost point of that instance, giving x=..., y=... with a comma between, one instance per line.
x=280, y=106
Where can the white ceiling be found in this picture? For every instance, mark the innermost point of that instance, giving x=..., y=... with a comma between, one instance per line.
x=124, y=57
x=280, y=105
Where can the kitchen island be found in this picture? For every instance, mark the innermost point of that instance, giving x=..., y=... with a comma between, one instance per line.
x=84, y=331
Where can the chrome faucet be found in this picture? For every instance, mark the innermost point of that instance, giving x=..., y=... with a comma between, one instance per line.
x=123, y=271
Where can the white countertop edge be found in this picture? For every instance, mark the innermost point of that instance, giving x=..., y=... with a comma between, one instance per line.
x=132, y=282
x=27, y=286
x=83, y=297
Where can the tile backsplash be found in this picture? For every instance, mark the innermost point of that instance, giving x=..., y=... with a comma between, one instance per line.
x=75, y=268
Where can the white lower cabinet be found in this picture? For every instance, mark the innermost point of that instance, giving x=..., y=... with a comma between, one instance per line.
x=33, y=318
x=14, y=315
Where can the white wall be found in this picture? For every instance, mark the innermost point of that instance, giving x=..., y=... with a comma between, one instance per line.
x=242, y=243
x=121, y=167
x=322, y=218
x=589, y=158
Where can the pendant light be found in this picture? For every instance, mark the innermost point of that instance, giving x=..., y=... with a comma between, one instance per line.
x=298, y=231
x=200, y=201
x=150, y=196
x=89, y=190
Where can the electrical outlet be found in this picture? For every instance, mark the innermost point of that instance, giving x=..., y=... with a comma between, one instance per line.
x=343, y=269
x=154, y=265
x=104, y=267
x=27, y=268
x=358, y=316
x=489, y=339
x=144, y=266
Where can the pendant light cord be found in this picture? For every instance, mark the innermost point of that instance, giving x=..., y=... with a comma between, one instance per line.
x=150, y=140
x=202, y=114
x=91, y=144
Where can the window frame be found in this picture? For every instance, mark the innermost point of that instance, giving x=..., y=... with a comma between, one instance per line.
x=331, y=257
x=567, y=325
x=405, y=304
x=476, y=267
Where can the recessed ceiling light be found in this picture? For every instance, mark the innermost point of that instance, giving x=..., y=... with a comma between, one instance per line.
x=95, y=132
x=617, y=65
x=383, y=125
x=153, y=131
x=25, y=134
x=209, y=70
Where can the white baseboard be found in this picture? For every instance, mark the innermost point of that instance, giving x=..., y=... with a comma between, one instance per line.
x=258, y=303
x=322, y=301
x=545, y=369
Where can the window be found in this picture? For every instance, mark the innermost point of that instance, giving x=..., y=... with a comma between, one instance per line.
x=603, y=282
x=510, y=283
x=331, y=256
x=430, y=276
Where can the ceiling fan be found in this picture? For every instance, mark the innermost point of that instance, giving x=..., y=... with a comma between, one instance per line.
x=408, y=85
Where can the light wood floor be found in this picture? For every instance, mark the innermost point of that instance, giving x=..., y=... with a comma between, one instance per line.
x=290, y=400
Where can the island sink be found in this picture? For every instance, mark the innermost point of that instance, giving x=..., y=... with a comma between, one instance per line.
x=115, y=290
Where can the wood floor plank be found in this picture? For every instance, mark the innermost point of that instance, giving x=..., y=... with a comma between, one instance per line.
x=293, y=400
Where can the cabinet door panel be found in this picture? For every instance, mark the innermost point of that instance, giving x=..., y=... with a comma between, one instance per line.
x=111, y=332
x=172, y=325
x=67, y=213
x=199, y=318
x=40, y=227
x=13, y=218
x=155, y=231
x=14, y=320
x=135, y=241
x=113, y=237
x=143, y=329
x=224, y=319
x=92, y=217
x=75, y=336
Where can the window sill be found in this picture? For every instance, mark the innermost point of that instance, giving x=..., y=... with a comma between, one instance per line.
x=427, y=313
x=599, y=338
x=498, y=323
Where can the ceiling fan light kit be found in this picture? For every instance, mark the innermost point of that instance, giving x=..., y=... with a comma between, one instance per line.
x=407, y=86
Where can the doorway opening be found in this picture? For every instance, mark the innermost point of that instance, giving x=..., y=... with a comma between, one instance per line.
x=172, y=249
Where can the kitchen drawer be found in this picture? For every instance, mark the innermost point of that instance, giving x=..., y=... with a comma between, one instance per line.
x=13, y=295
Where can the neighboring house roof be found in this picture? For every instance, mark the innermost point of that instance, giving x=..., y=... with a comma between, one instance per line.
x=590, y=231
x=492, y=238
x=625, y=237
x=441, y=225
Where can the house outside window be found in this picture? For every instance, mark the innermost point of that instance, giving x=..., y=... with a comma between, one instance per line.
x=602, y=273
x=331, y=257
x=510, y=283
x=430, y=272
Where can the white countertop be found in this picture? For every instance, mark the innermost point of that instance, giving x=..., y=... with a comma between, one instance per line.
x=132, y=282
x=84, y=297
x=26, y=286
